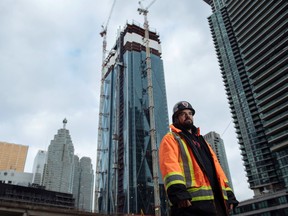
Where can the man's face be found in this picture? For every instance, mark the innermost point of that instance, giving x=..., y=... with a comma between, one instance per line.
x=185, y=118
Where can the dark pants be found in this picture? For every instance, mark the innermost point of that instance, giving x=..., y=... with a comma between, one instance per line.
x=199, y=208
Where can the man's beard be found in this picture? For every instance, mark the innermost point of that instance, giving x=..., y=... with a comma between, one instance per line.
x=185, y=126
x=188, y=125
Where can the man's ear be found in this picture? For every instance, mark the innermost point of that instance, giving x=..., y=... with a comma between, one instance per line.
x=176, y=120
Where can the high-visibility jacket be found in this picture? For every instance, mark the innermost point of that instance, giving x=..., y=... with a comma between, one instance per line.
x=178, y=165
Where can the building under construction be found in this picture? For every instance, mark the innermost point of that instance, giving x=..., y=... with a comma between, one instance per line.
x=124, y=172
x=36, y=195
x=16, y=200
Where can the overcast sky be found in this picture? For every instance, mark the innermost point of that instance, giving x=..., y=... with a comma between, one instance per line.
x=50, y=69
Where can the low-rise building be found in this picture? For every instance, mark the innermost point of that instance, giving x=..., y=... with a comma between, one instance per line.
x=16, y=178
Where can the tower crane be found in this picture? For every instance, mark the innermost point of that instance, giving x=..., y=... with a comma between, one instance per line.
x=145, y=10
x=157, y=208
x=103, y=34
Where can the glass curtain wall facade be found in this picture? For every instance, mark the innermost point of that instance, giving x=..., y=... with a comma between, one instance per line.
x=38, y=167
x=83, y=183
x=251, y=42
x=124, y=181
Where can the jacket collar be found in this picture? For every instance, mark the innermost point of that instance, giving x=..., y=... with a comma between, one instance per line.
x=177, y=130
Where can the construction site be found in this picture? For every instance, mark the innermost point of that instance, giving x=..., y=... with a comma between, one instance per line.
x=132, y=97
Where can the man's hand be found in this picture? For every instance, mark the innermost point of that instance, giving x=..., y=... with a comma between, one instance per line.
x=184, y=203
x=230, y=208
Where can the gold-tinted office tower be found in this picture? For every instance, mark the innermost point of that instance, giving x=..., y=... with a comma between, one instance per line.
x=12, y=156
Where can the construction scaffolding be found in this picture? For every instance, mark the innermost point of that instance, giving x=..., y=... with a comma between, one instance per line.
x=127, y=179
x=157, y=203
x=99, y=170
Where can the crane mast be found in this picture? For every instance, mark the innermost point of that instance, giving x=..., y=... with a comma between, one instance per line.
x=157, y=208
x=99, y=172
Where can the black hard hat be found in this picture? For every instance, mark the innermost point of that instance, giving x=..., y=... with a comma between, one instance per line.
x=182, y=105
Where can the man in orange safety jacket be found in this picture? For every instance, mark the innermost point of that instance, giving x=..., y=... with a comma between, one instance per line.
x=194, y=180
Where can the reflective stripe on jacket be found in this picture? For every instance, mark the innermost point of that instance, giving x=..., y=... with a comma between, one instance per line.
x=178, y=165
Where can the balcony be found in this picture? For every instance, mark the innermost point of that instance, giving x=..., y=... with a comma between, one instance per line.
x=259, y=47
x=259, y=55
x=278, y=102
x=279, y=129
x=275, y=112
x=238, y=14
x=252, y=27
x=264, y=25
x=269, y=68
x=282, y=139
x=273, y=92
x=278, y=146
x=276, y=120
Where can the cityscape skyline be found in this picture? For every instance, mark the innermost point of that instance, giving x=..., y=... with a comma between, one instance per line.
x=42, y=116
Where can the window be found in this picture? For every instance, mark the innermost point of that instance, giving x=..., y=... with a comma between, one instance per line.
x=282, y=200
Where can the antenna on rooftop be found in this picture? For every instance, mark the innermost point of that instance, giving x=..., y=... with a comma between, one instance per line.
x=64, y=123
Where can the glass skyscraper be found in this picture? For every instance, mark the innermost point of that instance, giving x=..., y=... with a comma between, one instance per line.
x=124, y=180
x=251, y=43
x=83, y=183
x=38, y=167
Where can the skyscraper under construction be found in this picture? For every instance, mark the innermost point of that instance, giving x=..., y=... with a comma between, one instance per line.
x=251, y=42
x=124, y=172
